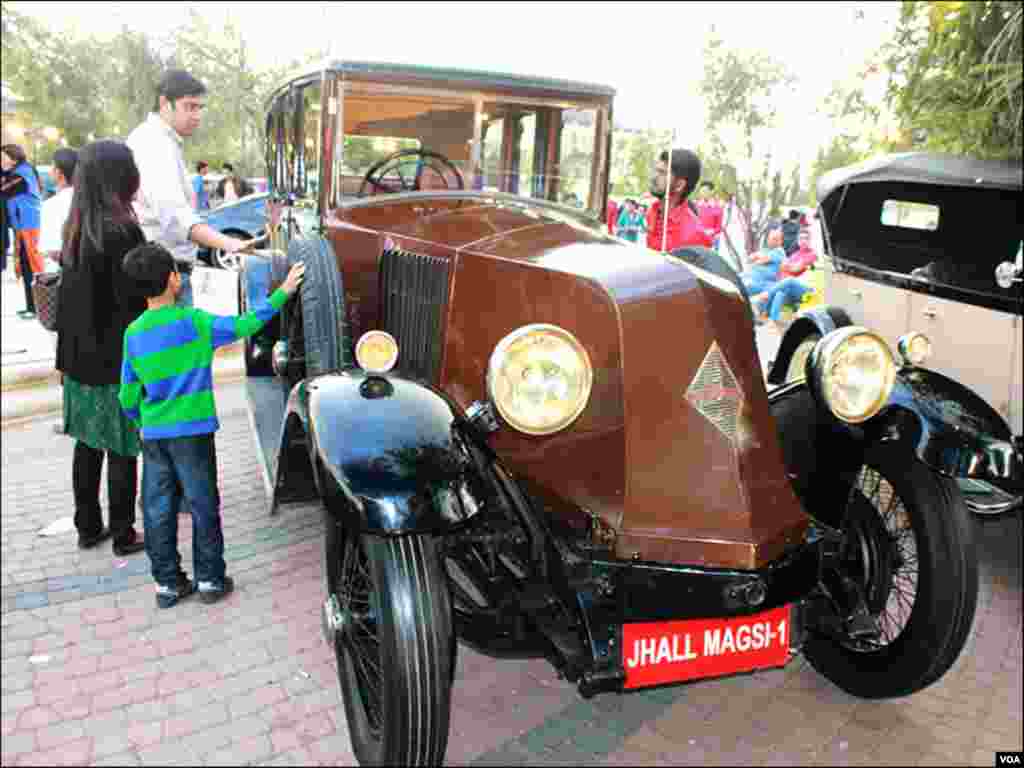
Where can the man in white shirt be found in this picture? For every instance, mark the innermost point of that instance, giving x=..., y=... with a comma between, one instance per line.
x=56, y=208
x=164, y=201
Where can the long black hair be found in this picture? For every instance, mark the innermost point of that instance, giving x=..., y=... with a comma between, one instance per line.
x=106, y=180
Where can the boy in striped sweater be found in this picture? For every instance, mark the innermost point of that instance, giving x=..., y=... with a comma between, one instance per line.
x=167, y=389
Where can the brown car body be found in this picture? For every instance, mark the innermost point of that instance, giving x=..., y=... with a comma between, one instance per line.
x=572, y=452
x=643, y=457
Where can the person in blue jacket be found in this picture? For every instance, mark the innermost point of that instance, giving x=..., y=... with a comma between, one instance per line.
x=21, y=192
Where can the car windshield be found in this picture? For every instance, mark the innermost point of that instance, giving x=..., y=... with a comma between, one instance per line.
x=537, y=142
x=540, y=150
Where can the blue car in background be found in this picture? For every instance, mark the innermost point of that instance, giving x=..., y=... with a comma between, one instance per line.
x=244, y=218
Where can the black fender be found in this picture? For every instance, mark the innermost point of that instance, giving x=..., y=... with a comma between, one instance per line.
x=820, y=320
x=385, y=452
x=946, y=425
x=953, y=430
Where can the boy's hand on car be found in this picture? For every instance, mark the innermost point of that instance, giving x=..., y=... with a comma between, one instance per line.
x=294, y=280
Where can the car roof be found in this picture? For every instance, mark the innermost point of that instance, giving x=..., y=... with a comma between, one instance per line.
x=926, y=168
x=450, y=77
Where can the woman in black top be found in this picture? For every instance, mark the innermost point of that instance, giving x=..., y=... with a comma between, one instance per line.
x=97, y=303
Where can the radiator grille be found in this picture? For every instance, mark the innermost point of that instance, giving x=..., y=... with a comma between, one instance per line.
x=715, y=393
x=414, y=289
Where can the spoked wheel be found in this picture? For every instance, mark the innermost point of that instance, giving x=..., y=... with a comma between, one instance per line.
x=393, y=645
x=908, y=546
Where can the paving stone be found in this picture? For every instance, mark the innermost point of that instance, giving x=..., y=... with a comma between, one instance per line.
x=59, y=733
x=295, y=757
x=334, y=749
x=17, y=743
x=172, y=754
x=243, y=752
x=119, y=759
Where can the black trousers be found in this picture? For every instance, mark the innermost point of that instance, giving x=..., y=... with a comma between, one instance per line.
x=122, y=482
x=26, y=276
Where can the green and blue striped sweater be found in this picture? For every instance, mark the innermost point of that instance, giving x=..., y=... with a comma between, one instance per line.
x=167, y=373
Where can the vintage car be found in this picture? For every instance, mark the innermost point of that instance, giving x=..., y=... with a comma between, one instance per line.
x=538, y=440
x=928, y=247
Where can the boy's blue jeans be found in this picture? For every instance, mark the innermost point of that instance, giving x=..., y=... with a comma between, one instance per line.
x=174, y=469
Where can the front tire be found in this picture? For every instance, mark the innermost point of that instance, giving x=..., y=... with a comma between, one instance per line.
x=908, y=544
x=395, y=650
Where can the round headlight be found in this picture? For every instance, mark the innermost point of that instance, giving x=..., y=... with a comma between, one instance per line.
x=857, y=373
x=914, y=348
x=539, y=378
x=376, y=352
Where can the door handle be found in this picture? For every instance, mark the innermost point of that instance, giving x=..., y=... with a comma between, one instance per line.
x=930, y=313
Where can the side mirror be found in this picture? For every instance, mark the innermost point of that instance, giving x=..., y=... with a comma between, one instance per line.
x=1007, y=274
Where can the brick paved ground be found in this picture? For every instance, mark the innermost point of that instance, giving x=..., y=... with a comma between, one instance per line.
x=94, y=674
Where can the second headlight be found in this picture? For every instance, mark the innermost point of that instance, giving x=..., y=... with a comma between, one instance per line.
x=855, y=373
x=539, y=379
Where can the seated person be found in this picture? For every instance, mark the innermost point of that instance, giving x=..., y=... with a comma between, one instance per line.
x=788, y=289
x=763, y=271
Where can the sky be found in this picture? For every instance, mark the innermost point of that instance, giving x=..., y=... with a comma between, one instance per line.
x=649, y=51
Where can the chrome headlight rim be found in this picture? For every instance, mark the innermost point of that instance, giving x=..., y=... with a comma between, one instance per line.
x=822, y=360
x=906, y=349
x=497, y=359
x=381, y=337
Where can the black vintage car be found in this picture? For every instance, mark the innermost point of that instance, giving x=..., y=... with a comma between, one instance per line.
x=925, y=250
x=513, y=451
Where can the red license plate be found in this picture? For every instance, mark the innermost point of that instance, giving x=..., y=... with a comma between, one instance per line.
x=673, y=651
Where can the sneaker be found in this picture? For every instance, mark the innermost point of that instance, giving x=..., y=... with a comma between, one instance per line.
x=168, y=597
x=209, y=593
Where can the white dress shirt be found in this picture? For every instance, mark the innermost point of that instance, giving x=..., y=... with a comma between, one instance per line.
x=164, y=201
x=54, y=214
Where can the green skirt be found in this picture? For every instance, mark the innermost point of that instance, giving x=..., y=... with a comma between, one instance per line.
x=93, y=415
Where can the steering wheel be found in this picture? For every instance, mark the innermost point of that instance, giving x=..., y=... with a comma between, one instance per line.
x=401, y=172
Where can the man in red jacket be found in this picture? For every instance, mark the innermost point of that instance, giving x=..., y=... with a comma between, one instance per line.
x=684, y=226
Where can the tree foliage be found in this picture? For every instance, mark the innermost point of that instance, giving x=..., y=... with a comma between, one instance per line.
x=90, y=87
x=740, y=89
x=956, y=75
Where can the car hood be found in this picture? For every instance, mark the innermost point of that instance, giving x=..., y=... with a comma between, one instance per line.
x=676, y=450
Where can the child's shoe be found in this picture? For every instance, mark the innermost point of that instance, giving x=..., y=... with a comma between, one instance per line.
x=168, y=597
x=209, y=593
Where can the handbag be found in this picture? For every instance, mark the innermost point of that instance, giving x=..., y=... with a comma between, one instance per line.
x=45, y=293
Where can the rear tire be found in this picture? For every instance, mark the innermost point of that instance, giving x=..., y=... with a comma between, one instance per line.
x=395, y=655
x=906, y=526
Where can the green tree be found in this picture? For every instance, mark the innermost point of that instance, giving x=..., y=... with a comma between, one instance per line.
x=56, y=78
x=740, y=90
x=955, y=76
x=839, y=154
